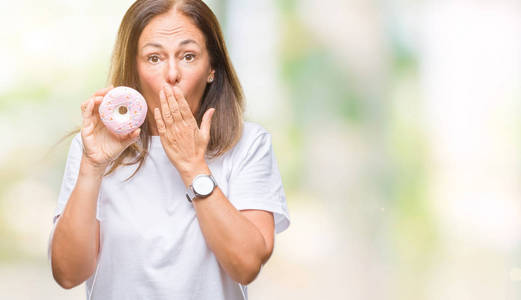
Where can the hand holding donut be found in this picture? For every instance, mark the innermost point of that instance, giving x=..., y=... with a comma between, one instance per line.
x=100, y=145
x=184, y=142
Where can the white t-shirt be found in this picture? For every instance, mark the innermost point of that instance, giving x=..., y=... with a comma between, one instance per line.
x=151, y=245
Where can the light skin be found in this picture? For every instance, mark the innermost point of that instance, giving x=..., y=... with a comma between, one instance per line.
x=174, y=69
x=173, y=83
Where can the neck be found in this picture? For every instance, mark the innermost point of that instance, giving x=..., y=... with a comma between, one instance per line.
x=152, y=127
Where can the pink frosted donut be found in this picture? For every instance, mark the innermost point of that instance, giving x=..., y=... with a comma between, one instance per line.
x=123, y=110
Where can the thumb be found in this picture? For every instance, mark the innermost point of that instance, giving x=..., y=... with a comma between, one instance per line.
x=135, y=135
x=206, y=122
x=132, y=137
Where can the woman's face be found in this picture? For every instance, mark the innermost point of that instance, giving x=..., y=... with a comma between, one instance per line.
x=172, y=51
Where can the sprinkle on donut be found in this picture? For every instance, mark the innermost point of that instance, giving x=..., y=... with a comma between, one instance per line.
x=135, y=113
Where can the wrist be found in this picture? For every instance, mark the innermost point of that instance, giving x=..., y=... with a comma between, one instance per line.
x=188, y=174
x=91, y=169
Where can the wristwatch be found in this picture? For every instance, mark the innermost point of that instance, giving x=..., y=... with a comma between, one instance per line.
x=202, y=186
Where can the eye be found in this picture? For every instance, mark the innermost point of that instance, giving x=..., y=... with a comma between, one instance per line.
x=153, y=59
x=189, y=57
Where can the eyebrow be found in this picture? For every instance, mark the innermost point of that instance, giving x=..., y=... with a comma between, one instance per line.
x=182, y=43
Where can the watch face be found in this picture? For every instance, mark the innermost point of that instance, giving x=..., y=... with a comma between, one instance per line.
x=203, y=185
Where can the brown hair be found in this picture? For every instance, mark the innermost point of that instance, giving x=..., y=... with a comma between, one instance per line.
x=224, y=93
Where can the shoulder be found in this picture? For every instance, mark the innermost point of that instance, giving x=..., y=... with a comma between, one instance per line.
x=77, y=139
x=76, y=145
x=251, y=129
x=253, y=137
x=251, y=132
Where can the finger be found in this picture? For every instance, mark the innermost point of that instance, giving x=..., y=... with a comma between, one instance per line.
x=87, y=108
x=103, y=91
x=88, y=124
x=98, y=99
x=83, y=106
x=90, y=113
x=97, y=102
x=184, y=108
x=88, y=130
x=165, y=109
x=159, y=122
x=206, y=123
x=85, y=120
x=172, y=103
x=135, y=134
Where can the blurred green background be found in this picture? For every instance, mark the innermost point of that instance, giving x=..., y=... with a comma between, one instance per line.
x=396, y=126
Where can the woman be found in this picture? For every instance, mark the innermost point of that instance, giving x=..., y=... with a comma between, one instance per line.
x=186, y=206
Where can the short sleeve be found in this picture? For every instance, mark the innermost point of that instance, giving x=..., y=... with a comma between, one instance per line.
x=72, y=169
x=255, y=181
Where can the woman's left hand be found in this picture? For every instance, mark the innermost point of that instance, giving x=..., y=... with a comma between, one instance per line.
x=184, y=142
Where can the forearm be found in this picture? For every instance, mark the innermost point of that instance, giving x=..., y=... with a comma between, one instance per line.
x=236, y=242
x=75, y=242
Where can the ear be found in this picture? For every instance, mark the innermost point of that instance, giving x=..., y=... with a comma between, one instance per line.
x=211, y=76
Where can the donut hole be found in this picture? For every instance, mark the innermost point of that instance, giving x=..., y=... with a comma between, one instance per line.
x=122, y=110
x=121, y=113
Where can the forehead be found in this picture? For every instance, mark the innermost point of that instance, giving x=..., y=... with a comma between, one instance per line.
x=169, y=29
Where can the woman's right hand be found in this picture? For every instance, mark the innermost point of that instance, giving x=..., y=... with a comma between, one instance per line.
x=100, y=145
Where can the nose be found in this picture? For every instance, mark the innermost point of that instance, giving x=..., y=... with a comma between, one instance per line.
x=172, y=72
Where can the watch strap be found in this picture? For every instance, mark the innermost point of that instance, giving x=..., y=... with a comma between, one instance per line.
x=190, y=194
